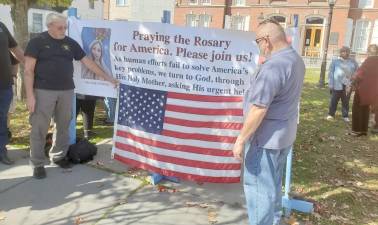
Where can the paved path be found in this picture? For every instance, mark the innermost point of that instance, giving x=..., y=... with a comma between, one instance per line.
x=105, y=193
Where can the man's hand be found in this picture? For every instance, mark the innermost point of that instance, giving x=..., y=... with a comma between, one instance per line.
x=114, y=81
x=238, y=151
x=30, y=103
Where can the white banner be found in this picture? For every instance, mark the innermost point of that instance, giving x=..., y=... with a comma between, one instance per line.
x=164, y=57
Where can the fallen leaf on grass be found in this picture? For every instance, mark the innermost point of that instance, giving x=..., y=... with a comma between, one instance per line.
x=359, y=184
x=339, y=219
x=291, y=221
x=204, y=205
x=99, y=185
x=78, y=220
x=98, y=163
x=317, y=216
x=191, y=204
x=345, y=206
x=212, y=217
x=122, y=202
x=161, y=188
x=339, y=182
x=2, y=215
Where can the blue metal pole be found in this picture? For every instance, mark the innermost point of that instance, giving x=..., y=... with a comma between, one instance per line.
x=72, y=128
x=287, y=202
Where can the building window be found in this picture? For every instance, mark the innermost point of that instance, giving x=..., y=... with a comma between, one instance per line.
x=238, y=23
x=361, y=35
x=37, y=23
x=374, y=36
x=238, y=2
x=365, y=4
x=191, y=20
x=315, y=21
x=280, y=19
x=91, y=4
x=204, y=20
x=193, y=2
x=121, y=2
x=206, y=2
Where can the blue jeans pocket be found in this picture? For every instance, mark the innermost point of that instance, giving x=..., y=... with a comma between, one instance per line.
x=253, y=160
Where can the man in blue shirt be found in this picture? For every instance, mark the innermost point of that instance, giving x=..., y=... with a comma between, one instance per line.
x=339, y=82
x=270, y=126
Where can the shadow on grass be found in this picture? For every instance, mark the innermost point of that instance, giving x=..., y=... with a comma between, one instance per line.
x=337, y=171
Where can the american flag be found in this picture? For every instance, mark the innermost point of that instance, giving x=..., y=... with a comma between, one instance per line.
x=181, y=135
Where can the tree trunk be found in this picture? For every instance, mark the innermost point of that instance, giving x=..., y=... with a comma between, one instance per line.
x=19, y=12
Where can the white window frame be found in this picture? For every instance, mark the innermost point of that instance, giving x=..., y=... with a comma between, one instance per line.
x=193, y=23
x=206, y=2
x=121, y=3
x=363, y=4
x=238, y=22
x=374, y=36
x=193, y=2
x=361, y=35
x=238, y=2
x=34, y=25
x=91, y=4
x=204, y=20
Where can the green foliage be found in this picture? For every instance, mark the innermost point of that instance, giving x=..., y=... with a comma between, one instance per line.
x=5, y=2
x=42, y=3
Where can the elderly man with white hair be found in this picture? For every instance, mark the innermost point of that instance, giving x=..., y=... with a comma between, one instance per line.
x=50, y=89
x=270, y=126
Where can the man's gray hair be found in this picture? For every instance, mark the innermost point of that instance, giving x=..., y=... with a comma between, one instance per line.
x=54, y=17
x=345, y=49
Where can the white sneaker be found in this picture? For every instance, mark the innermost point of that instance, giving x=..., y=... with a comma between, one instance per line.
x=330, y=117
x=346, y=119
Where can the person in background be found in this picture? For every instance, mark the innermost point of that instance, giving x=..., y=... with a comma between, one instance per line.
x=86, y=104
x=110, y=108
x=7, y=44
x=365, y=82
x=339, y=81
x=374, y=130
x=50, y=90
x=270, y=123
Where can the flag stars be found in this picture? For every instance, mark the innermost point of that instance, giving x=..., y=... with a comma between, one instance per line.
x=142, y=108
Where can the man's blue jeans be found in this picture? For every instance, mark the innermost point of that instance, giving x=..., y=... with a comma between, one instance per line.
x=263, y=171
x=6, y=96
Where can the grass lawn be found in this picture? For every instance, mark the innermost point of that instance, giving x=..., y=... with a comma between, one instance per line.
x=337, y=172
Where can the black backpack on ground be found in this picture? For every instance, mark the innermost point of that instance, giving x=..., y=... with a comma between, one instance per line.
x=81, y=152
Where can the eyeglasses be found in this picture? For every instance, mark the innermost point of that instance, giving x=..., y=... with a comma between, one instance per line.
x=61, y=28
x=258, y=40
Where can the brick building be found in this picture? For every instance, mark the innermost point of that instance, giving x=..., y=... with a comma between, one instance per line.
x=354, y=23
